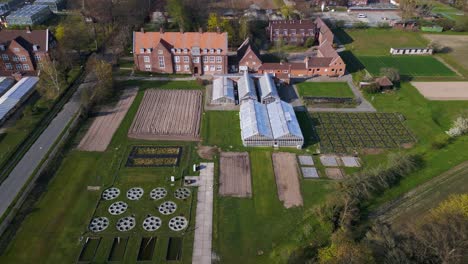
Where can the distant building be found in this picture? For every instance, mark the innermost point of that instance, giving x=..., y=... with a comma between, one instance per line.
x=248, y=57
x=292, y=32
x=267, y=91
x=196, y=53
x=22, y=51
x=29, y=15
x=5, y=84
x=411, y=51
x=11, y=100
x=54, y=5
x=246, y=88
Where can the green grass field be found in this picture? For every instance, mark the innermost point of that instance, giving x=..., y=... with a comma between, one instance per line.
x=325, y=89
x=222, y=129
x=447, y=11
x=408, y=66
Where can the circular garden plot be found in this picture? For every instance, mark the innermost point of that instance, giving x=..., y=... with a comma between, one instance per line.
x=98, y=224
x=152, y=223
x=158, y=193
x=178, y=223
x=111, y=193
x=182, y=193
x=167, y=208
x=135, y=193
x=118, y=208
x=126, y=223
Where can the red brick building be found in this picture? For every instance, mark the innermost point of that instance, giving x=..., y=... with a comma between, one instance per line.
x=22, y=51
x=248, y=57
x=292, y=32
x=178, y=52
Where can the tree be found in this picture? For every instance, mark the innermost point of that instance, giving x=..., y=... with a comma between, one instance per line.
x=343, y=250
x=51, y=79
x=213, y=23
x=73, y=34
x=309, y=42
x=101, y=74
x=391, y=73
x=435, y=46
x=244, y=28
x=179, y=12
x=287, y=11
x=408, y=7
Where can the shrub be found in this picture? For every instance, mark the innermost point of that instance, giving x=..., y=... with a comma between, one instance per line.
x=383, y=25
x=371, y=88
x=309, y=42
x=459, y=127
x=361, y=25
x=391, y=73
x=440, y=142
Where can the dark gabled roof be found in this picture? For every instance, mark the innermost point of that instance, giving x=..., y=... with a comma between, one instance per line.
x=245, y=47
x=275, y=66
x=384, y=81
x=292, y=24
x=319, y=61
x=25, y=39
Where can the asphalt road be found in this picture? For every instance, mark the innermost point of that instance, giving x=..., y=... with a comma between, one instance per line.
x=18, y=177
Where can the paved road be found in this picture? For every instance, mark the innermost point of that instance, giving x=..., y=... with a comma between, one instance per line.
x=18, y=177
x=204, y=216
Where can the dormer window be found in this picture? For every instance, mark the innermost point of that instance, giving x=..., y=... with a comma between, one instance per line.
x=172, y=50
x=211, y=50
x=2, y=47
x=16, y=49
x=185, y=50
x=142, y=50
x=160, y=51
x=218, y=51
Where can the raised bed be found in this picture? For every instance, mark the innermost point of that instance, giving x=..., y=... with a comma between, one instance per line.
x=117, y=252
x=174, y=249
x=89, y=250
x=154, y=156
x=146, y=249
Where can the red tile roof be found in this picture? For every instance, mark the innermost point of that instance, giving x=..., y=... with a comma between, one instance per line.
x=179, y=40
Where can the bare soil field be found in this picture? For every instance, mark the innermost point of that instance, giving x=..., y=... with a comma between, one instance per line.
x=168, y=115
x=106, y=122
x=457, y=45
x=235, y=179
x=287, y=179
x=443, y=91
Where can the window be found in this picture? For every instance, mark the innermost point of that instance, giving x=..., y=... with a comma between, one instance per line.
x=147, y=67
x=160, y=52
x=15, y=58
x=19, y=67
x=22, y=58
x=186, y=59
x=205, y=59
x=293, y=31
x=219, y=59
x=26, y=67
x=219, y=68
x=212, y=68
x=196, y=59
x=161, y=62
x=5, y=57
x=16, y=49
x=177, y=59
x=254, y=63
x=285, y=32
x=212, y=58
x=8, y=66
x=177, y=67
x=206, y=68
x=187, y=67
x=37, y=57
x=146, y=58
x=277, y=32
x=285, y=71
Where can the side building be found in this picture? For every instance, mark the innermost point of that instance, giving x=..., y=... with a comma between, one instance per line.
x=54, y=5
x=16, y=96
x=197, y=53
x=248, y=57
x=23, y=51
x=223, y=91
x=292, y=32
x=29, y=15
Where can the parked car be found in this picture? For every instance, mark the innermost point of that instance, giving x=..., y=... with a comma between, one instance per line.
x=361, y=15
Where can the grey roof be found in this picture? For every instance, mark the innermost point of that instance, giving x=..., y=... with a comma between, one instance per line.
x=14, y=96
x=246, y=87
x=47, y=1
x=267, y=87
x=4, y=8
x=223, y=87
x=283, y=120
x=254, y=120
x=5, y=84
x=28, y=10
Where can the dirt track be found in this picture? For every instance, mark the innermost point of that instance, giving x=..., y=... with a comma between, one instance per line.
x=287, y=179
x=234, y=179
x=168, y=115
x=443, y=91
x=102, y=129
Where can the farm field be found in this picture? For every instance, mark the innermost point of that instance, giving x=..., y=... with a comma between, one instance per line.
x=235, y=178
x=349, y=132
x=287, y=179
x=457, y=49
x=447, y=11
x=64, y=211
x=444, y=91
x=424, y=197
x=106, y=122
x=414, y=66
x=168, y=115
x=325, y=89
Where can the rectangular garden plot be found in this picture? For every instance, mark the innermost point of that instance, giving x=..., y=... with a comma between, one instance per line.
x=119, y=246
x=349, y=132
x=89, y=249
x=287, y=179
x=174, y=249
x=154, y=156
x=146, y=249
x=234, y=178
x=168, y=115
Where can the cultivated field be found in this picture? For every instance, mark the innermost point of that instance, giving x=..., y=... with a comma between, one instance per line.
x=443, y=91
x=235, y=176
x=108, y=119
x=168, y=115
x=407, y=65
x=287, y=179
x=325, y=89
x=458, y=49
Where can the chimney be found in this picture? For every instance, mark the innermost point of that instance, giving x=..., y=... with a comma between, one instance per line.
x=161, y=30
x=142, y=30
x=306, y=61
x=200, y=30
x=218, y=30
x=28, y=29
x=182, y=30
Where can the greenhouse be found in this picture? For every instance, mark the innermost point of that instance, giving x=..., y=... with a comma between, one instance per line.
x=29, y=15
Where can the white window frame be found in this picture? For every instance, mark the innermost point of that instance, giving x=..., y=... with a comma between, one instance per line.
x=219, y=68
x=206, y=68
x=160, y=52
x=177, y=67
x=186, y=59
x=37, y=57
x=162, y=63
x=146, y=59
x=16, y=50
x=19, y=67
x=26, y=67
x=219, y=59
x=177, y=59
x=212, y=68
x=205, y=59
x=147, y=67
x=196, y=60
x=22, y=58
x=186, y=67
x=212, y=59
x=15, y=58
x=5, y=57
x=8, y=66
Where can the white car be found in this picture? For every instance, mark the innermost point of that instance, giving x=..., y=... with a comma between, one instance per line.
x=361, y=15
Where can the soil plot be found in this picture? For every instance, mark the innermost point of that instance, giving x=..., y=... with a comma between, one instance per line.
x=287, y=179
x=168, y=115
x=234, y=178
x=444, y=91
x=106, y=122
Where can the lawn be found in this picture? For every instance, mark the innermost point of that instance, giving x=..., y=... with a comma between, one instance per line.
x=222, y=129
x=408, y=66
x=447, y=11
x=55, y=230
x=325, y=89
